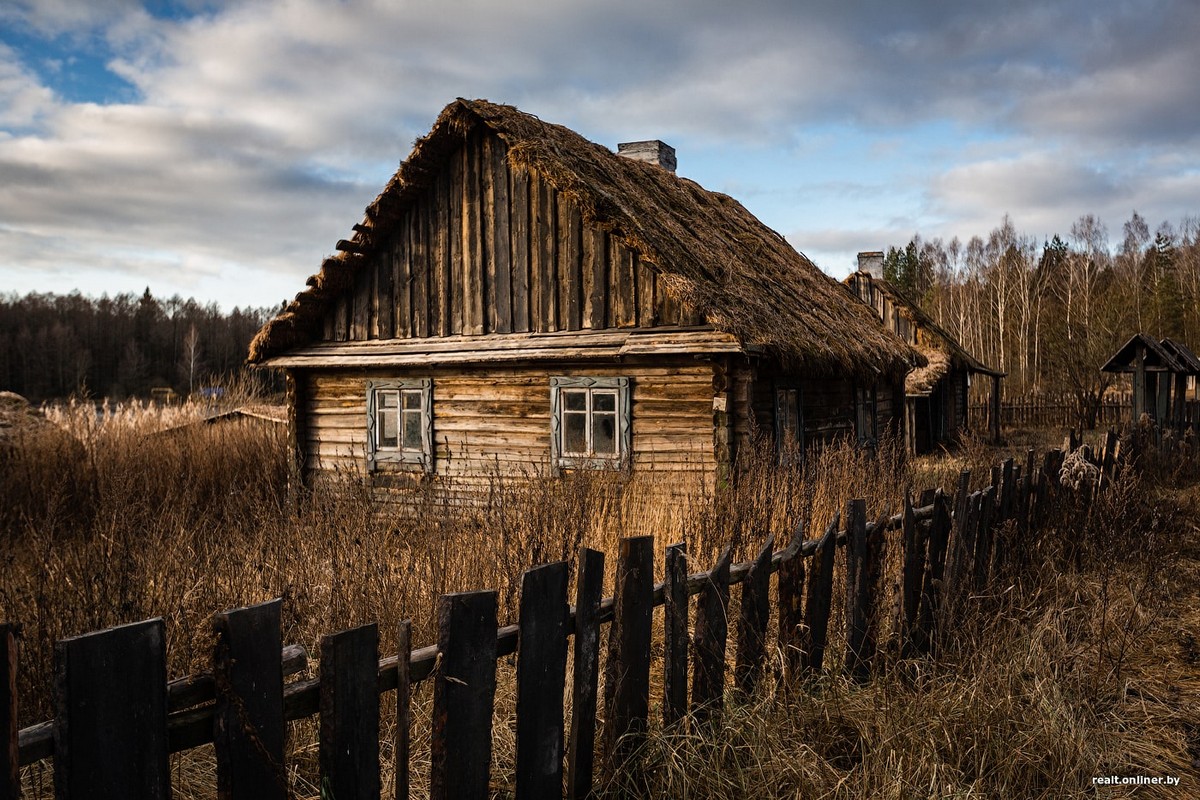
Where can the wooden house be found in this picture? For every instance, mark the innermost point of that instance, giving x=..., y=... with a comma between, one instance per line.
x=936, y=394
x=1159, y=371
x=521, y=301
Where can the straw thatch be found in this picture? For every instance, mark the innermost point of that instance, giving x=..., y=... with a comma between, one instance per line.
x=920, y=382
x=709, y=251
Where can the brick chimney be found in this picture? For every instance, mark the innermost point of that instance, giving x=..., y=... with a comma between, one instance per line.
x=652, y=152
x=871, y=263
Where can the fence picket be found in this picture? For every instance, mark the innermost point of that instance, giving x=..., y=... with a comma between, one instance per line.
x=789, y=588
x=248, y=727
x=541, y=673
x=912, y=581
x=712, y=630
x=402, y=742
x=349, y=729
x=464, y=689
x=933, y=587
x=10, y=753
x=819, y=601
x=675, y=635
x=864, y=554
x=627, y=677
x=753, y=616
x=110, y=729
x=589, y=587
x=983, y=537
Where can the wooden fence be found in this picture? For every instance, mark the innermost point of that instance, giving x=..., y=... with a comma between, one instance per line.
x=1036, y=412
x=117, y=718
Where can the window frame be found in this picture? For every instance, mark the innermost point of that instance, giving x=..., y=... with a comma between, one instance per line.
x=417, y=460
x=783, y=455
x=866, y=411
x=624, y=429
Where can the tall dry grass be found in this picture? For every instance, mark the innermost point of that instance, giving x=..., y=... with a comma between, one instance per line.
x=1048, y=680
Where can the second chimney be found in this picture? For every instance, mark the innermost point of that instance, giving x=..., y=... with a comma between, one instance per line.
x=871, y=263
x=652, y=152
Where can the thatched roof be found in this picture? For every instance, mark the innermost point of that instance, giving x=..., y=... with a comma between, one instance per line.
x=709, y=251
x=931, y=339
x=920, y=382
x=1165, y=356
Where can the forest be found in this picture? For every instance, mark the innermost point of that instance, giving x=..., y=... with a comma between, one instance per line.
x=1051, y=312
x=54, y=346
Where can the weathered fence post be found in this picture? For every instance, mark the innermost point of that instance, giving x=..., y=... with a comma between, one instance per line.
x=790, y=591
x=349, y=728
x=248, y=726
x=912, y=582
x=712, y=629
x=963, y=549
x=627, y=674
x=752, y=621
x=864, y=553
x=110, y=727
x=403, y=708
x=541, y=673
x=464, y=690
x=934, y=586
x=983, y=538
x=819, y=599
x=589, y=586
x=675, y=635
x=10, y=756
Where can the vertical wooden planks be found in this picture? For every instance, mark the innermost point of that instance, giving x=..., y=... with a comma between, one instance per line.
x=341, y=318
x=963, y=550
x=110, y=726
x=402, y=288
x=418, y=276
x=541, y=672
x=360, y=317
x=627, y=674
x=463, y=692
x=622, y=285
x=472, y=239
x=385, y=291
x=570, y=265
x=675, y=636
x=519, y=201
x=819, y=600
x=349, y=728
x=983, y=537
x=595, y=277
x=753, y=616
x=455, y=239
x=545, y=244
x=581, y=751
x=402, y=744
x=248, y=726
x=10, y=757
x=487, y=211
x=500, y=229
x=790, y=590
x=712, y=629
x=442, y=278
x=374, y=265
x=647, y=311
x=933, y=587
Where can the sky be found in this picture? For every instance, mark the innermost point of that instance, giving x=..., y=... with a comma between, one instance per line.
x=218, y=150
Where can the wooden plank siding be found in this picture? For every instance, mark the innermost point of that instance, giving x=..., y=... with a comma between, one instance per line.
x=489, y=249
x=497, y=419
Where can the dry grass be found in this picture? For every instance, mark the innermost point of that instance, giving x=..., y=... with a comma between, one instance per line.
x=1084, y=664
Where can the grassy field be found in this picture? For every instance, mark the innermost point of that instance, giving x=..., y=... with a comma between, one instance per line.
x=1086, y=665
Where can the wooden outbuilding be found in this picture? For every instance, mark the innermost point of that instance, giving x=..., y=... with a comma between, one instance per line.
x=937, y=393
x=1160, y=371
x=521, y=301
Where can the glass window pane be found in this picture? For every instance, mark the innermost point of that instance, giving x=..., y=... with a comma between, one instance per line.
x=574, y=399
x=412, y=430
x=385, y=428
x=412, y=398
x=385, y=399
x=574, y=433
x=604, y=434
x=604, y=401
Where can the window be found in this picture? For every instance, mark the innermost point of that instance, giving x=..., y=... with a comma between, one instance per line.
x=400, y=423
x=789, y=423
x=589, y=422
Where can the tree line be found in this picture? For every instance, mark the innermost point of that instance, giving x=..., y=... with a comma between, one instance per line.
x=55, y=346
x=1050, y=313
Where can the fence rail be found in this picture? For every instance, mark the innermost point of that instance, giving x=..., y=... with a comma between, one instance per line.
x=117, y=718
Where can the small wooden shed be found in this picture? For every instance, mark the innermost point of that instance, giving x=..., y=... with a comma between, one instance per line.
x=1160, y=371
x=936, y=394
x=521, y=301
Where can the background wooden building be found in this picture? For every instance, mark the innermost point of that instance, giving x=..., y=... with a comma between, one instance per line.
x=937, y=392
x=519, y=300
x=1159, y=373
